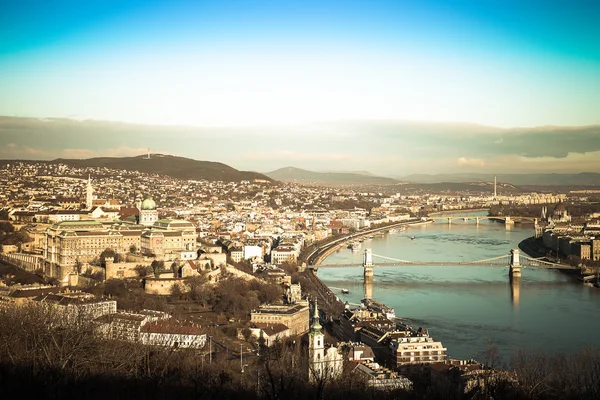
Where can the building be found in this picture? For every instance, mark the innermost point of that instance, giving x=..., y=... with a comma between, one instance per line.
x=148, y=213
x=283, y=254
x=76, y=305
x=269, y=333
x=420, y=349
x=127, y=325
x=295, y=317
x=381, y=378
x=71, y=243
x=89, y=194
x=323, y=363
x=172, y=333
x=595, y=249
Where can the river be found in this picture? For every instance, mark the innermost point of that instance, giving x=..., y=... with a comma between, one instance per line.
x=469, y=307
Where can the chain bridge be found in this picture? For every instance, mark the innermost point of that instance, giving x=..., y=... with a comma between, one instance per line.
x=477, y=218
x=514, y=260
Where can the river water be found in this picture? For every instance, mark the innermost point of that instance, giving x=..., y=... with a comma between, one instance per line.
x=469, y=307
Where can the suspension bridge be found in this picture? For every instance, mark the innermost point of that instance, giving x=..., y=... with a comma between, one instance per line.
x=513, y=260
x=499, y=261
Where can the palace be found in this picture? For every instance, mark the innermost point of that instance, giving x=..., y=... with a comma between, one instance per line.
x=71, y=243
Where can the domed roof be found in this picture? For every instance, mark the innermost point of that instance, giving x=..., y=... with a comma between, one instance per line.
x=148, y=204
x=560, y=207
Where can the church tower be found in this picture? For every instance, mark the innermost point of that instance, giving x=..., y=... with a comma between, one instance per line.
x=89, y=194
x=316, y=349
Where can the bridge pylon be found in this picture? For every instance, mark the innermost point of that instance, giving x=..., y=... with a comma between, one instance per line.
x=368, y=265
x=515, y=265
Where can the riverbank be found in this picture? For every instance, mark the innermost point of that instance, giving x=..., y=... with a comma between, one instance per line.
x=536, y=249
x=316, y=256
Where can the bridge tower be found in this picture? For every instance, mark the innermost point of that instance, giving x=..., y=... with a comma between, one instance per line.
x=515, y=265
x=368, y=273
x=368, y=264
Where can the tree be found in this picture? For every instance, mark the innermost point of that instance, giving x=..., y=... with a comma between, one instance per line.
x=133, y=249
x=141, y=270
x=107, y=253
x=157, y=266
x=6, y=227
x=115, y=287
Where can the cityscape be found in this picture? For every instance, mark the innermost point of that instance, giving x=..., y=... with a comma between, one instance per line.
x=316, y=200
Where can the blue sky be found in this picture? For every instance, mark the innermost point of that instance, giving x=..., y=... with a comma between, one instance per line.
x=502, y=63
x=287, y=65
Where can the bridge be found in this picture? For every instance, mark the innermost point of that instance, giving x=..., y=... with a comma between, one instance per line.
x=513, y=260
x=506, y=219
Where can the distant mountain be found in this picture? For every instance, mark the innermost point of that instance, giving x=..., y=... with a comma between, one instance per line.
x=176, y=167
x=291, y=174
x=463, y=187
x=584, y=178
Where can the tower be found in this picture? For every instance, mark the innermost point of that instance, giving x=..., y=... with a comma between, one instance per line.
x=316, y=349
x=515, y=265
x=368, y=264
x=494, y=187
x=89, y=194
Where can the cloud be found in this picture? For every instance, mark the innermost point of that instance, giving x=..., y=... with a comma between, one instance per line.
x=470, y=162
x=390, y=148
x=112, y=152
x=294, y=156
x=15, y=151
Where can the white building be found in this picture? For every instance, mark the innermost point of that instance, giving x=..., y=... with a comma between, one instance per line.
x=323, y=363
x=89, y=194
x=148, y=213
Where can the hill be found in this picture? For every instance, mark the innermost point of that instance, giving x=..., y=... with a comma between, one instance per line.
x=585, y=178
x=173, y=166
x=291, y=174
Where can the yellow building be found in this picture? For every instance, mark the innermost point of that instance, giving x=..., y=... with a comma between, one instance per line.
x=295, y=317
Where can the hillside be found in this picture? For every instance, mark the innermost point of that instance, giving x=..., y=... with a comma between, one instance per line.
x=585, y=178
x=176, y=167
x=291, y=174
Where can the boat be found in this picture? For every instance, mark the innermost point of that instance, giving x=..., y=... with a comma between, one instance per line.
x=355, y=246
x=412, y=238
x=345, y=291
x=380, y=308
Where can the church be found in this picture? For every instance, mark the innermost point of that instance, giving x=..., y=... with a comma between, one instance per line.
x=324, y=363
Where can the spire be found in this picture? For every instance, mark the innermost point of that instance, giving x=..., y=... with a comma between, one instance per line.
x=316, y=326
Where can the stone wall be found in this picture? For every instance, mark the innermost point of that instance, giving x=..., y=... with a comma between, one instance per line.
x=162, y=286
x=122, y=270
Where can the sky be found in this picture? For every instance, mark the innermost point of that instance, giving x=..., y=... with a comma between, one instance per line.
x=285, y=68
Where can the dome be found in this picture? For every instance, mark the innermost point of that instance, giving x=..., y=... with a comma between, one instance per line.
x=148, y=204
x=560, y=207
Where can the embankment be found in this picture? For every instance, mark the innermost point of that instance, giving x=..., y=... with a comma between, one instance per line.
x=316, y=255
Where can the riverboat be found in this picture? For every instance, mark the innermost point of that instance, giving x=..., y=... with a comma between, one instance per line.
x=355, y=246
x=345, y=291
x=380, y=308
